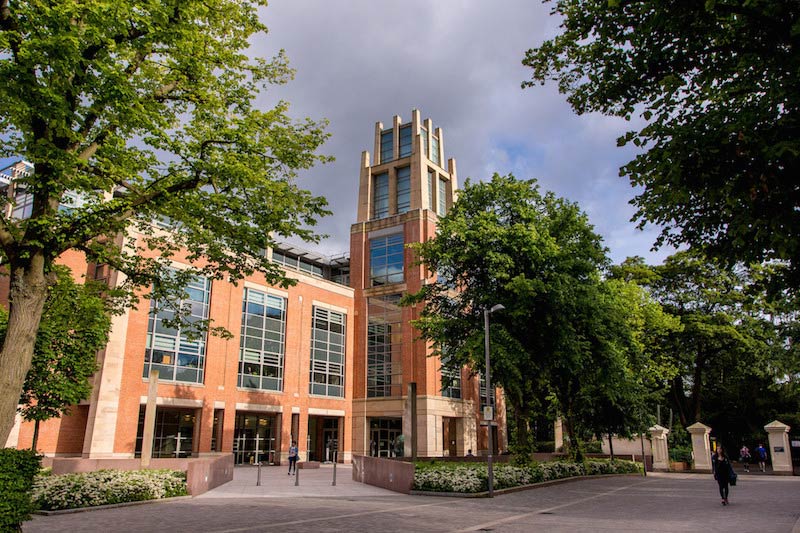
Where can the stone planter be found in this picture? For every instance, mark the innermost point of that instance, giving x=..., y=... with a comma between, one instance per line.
x=678, y=466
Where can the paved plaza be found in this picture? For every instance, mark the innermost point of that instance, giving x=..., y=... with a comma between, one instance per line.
x=659, y=502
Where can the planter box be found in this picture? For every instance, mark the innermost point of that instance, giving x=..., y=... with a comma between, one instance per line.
x=678, y=466
x=304, y=465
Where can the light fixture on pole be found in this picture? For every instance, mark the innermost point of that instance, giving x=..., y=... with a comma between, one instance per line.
x=489, y=410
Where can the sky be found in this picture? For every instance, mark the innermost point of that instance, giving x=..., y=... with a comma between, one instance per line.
x=359, y=62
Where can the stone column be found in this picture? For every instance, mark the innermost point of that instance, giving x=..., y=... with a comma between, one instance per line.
x=558, y=432
x=658, y=435
x=701, y=448
x=779, y=448
x=149, y=419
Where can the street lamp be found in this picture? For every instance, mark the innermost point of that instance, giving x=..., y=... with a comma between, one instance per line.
x=490, y=407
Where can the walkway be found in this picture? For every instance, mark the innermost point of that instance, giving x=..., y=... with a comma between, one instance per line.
x=660, y=502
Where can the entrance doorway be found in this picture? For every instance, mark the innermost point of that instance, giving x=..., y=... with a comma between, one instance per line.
x=386, y=437
x=324, y=442
x=449, y=436
x=172, y=435
x=254, y=439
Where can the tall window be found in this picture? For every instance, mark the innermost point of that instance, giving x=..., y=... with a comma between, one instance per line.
x=262, y=346
x=327, y=353
x=380, y=186
x=405, y=140
x=386, y=146
x=451, y=383
x=442, y=209
x=403, y=189
x=384, y=342
x=386, y=259
x=424, y=133
x=431, y=179
x=435, y=151
x=170, y=349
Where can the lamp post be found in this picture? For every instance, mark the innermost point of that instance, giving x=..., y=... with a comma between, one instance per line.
x=490, y=418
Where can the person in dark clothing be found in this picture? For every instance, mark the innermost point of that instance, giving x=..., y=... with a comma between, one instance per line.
x=722, y=468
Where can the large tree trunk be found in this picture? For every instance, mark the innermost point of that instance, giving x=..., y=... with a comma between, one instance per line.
x=27, y=295
x=611, y=445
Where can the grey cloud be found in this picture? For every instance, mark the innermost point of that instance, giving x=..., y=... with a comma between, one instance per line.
x=359, y=62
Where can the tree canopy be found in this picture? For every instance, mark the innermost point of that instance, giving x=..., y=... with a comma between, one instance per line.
x=133, y=113
x=718, y=87
x=566, y=338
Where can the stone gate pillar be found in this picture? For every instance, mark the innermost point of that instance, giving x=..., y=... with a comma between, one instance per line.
x=701, y=448
x=779, y=447
x=658, y=435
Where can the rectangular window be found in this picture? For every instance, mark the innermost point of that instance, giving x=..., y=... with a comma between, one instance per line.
x=442, y=209
x=492, y=394
x=386, y=259
x=424, y=133
x=327, y=353
x=451, y=383
x=263, y=338
x=387, y=145
x=431, y=180
x=403, y=189
x=380, y=203
x=168, y=348
x=384, y=346
x=405, y=140
x=435, y=151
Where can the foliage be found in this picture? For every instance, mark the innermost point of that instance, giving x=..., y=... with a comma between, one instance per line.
x=75, y=325
x=473, y=477
x=717, y=87
x=142, y=125
x=105, y=487
x=17, y=471
x=566, y=338
x=681, y=454
x=731, y=351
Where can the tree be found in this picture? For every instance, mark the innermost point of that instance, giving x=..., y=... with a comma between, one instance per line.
x=74, y=327
x=716, y=83
x=725, y=352
x=133, y=113
x=505, y=242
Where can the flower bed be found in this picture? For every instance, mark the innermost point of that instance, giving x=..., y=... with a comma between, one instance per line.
x=104, y=487
x=473, y=477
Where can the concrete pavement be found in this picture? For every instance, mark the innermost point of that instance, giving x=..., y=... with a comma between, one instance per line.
x=663, y=502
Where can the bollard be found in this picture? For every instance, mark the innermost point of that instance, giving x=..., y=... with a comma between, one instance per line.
x=258, y=478
x=334, y=474
x=296, y=476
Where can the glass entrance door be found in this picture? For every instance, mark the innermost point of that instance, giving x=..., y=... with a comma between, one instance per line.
x=386, y=437
x=254, y=439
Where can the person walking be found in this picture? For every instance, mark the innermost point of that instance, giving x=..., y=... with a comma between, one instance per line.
x=761, y=452
x=293, y=458
x=744, y=457
x=723, y=472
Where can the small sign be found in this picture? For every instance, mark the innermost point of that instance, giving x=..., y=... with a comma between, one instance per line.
x=488, y=413
x=777, y=449
x=796, y=444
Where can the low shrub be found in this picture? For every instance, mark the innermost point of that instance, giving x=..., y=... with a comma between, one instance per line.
x=17, y=471
x=473, y=477
x=103, y=487
x=681, y=453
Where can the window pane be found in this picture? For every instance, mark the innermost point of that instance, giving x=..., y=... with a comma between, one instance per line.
x=386, y=146
x=263, y=347
x=380, y=206
x=327, y=358
x=386, y=259
x=403, y=189
x=405, y=140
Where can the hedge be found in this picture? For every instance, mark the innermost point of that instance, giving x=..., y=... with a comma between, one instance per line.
x=17, y=471
x=104, y=487
x=473, y=477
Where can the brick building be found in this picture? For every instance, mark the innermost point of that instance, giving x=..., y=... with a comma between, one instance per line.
x=329, y=359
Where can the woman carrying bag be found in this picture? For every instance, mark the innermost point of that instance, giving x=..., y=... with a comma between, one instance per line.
x=723, y=473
